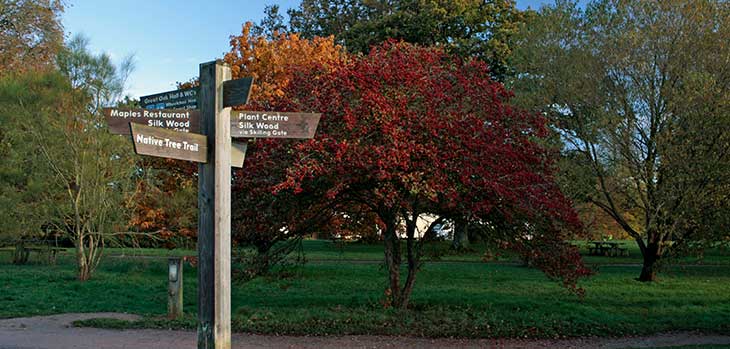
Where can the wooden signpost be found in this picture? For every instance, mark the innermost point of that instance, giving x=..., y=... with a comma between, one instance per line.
x=214, y=218
x=173, y=133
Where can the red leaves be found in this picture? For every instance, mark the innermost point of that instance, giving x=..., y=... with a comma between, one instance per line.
x=410, y=126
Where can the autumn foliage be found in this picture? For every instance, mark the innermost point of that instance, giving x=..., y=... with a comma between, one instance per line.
x=160, y=207
x=271, y=61
x=260, y=218
x=164, y=203
x=408, y=131
x=31, y=34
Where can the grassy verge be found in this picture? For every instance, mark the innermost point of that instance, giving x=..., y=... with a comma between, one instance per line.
x=342, y=297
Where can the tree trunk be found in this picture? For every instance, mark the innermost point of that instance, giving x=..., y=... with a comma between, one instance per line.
x=399, y=297
x=461, y=236
x=651, y=254
x=82, y=263
x=84, y=269
x=392, y=261
x=413, y=260
x=84, y=273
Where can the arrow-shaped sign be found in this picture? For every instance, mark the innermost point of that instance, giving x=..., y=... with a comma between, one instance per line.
x=184, y=120
x=177, y=99
x=238, y=154
x=272, y=124
x=236, y=92
x=171, y=144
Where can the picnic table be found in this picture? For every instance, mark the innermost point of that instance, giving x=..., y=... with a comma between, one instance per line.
x=21, y=253
x=607, y=248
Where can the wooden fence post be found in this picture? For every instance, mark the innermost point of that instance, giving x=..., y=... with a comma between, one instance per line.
x=174, y=287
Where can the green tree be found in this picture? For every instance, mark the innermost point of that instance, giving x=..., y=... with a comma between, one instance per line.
x=96, y=75
x=72, y=172
x=30, y=37
x=22, y=179
x=638, y=91
x=271, y=25
x=470, y=28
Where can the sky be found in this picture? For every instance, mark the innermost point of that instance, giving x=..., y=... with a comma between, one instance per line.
x=168, y=39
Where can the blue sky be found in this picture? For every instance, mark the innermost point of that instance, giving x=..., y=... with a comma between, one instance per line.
x=168, y=38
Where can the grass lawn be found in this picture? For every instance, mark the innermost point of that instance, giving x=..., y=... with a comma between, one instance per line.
x=336, y=294
x=326, y=250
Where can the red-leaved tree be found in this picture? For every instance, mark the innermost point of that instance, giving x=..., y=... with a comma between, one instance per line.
x=408, y=131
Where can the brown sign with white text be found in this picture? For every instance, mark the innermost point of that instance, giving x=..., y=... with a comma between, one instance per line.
x=271, y=124
x=183, y=120
x=171, y=144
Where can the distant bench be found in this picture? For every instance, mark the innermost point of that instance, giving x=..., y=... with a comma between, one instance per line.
x=21, y=255
x=607, y=248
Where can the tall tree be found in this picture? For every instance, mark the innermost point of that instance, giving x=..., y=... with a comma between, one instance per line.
x=23, y=178
x=470, y=28
x=30, y=34
x=30, y=37
x=83, y=175
x=639, y=92
x=408, y=131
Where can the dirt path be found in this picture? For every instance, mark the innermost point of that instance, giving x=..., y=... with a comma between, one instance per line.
x=55, y=332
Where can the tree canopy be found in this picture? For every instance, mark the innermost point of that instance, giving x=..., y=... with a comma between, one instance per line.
x=271, y=60
x=31, y=34
x=470, y=28
x=638, y=91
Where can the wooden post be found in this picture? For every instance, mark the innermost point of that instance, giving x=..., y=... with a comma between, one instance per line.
x=174, y=287
x=214, y=205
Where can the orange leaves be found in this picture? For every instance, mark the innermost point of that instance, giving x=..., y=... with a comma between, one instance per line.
x=31, y=34
x=165, y=206
x=271, y=62
x=148, y=215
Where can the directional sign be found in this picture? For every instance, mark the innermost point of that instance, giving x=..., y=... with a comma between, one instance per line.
x=168, y=126
x=183, y=120
x=271, y=124
x=238, y=154
x=177, y=99
x=171, y=144
x=236, y=92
